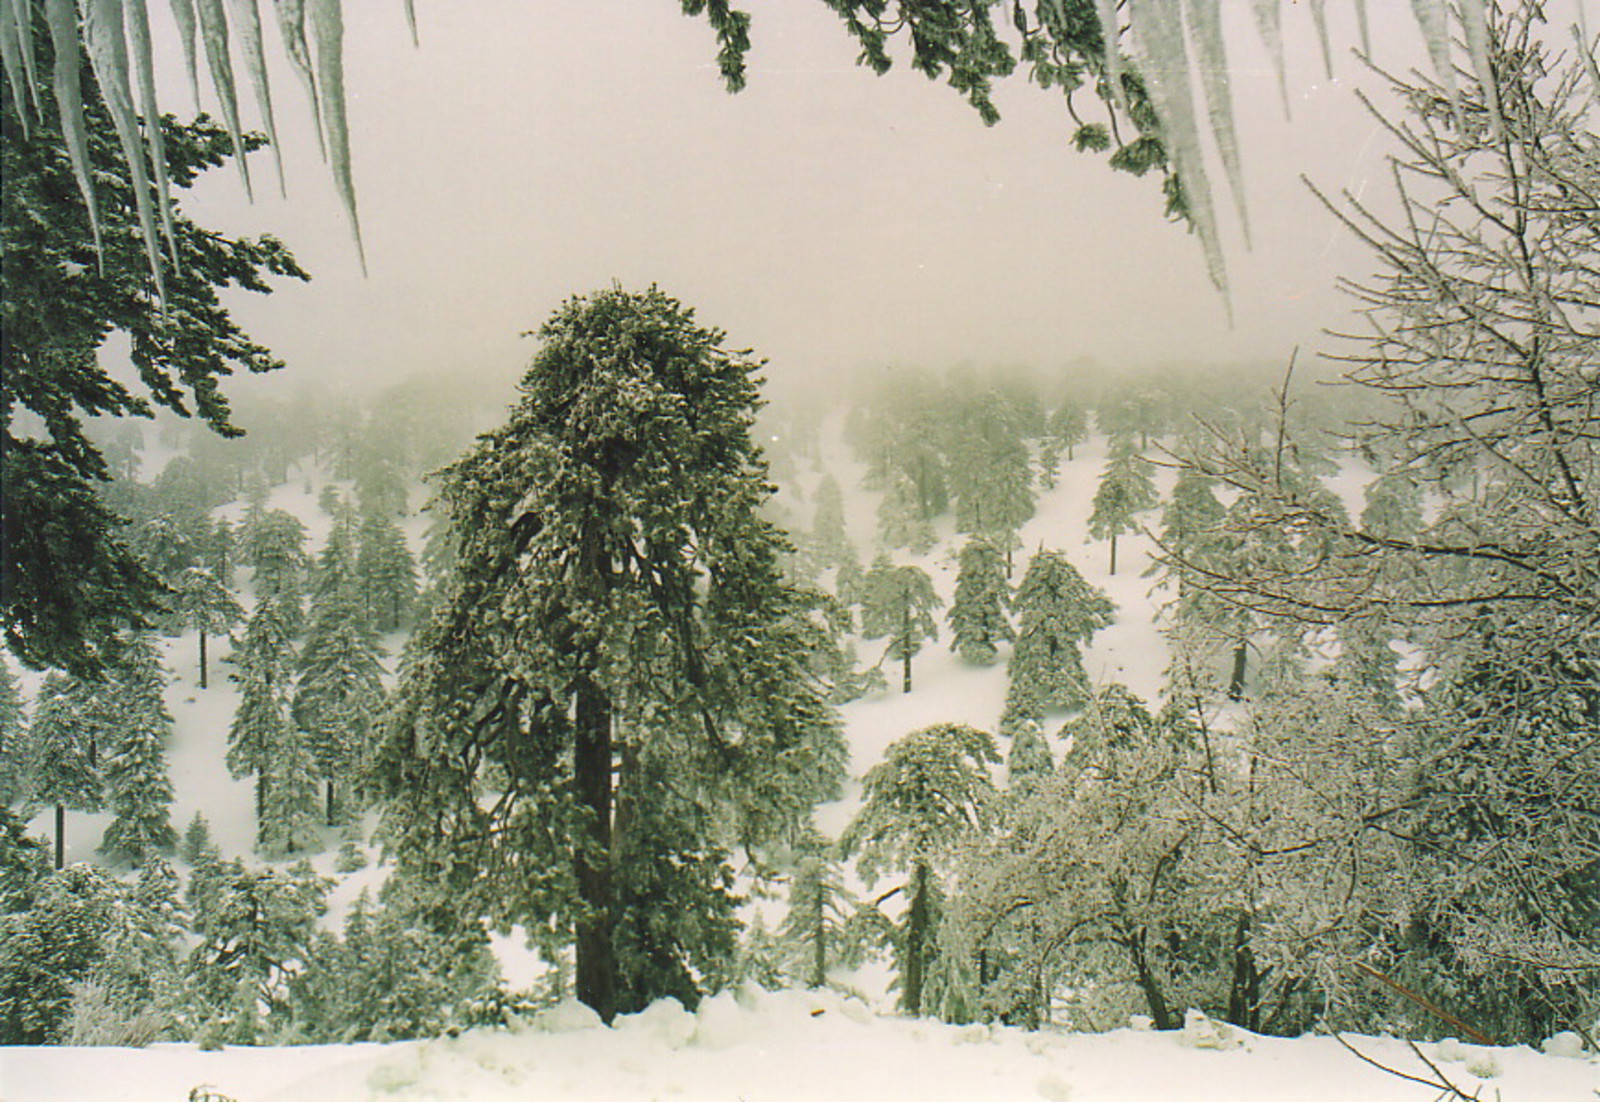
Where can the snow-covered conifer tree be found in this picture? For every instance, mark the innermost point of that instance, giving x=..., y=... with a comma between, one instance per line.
x=828, y=529
x=135, y=727
x=274, y=544
x=1057, y=612
x=263, y=739
x=15, y=778
x=64, y=757
x=978, y=614
x=897, y=603
x=1126, y=489
x=388, y=572
x=202, y=603
x=930, y=793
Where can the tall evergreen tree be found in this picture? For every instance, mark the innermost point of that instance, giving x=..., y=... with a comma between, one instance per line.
x=274, y=543
x=64, y=757
x=136, y=726
x=1067, y=427
x=203, y=604
x=388, y=572
x=14, y=749
x=1126, y=489
x=897, y=603
x=1057, y=612
x=828, y=533
x=902, y=515
x=930, y=793
x=340, y=692
x=978, y=614
x=262, y=739
x=614, y=656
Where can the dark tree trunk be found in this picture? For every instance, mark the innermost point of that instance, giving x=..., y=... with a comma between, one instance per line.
x=905, y=645
x=331, y=821
x=1113, y=552
x=61, y=836
x=591, y=778
x=1149, y=984
x=202, y=659
x=1244, y=993
x=261, y=807
x=916, y=939
x=819, y=943
x=1241, y=657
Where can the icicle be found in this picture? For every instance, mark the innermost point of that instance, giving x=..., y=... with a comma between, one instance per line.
x=1365, y=28
x=1159, y=27
x=188, y=26
x=214, y=32
x=25, y=41
x=1319, y=16
x=108, y=56
x=1203, y=20
x=1475, y=22
x=1586, y=50
x=63, y=19
x=1109, y=31
x=247, y=21
x=411, y=21
x=144, y=66
x=292, y=29
x=1431, y=18
x=11, y=47
x=327, y=31
x=1269, y=25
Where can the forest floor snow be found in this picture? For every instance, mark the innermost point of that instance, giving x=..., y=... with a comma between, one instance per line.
x=794, y=1045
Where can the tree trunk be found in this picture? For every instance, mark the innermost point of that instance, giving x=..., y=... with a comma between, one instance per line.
x=261, y=807
x=1244, y=993
x=819, y=943
x=1241, y=656
x=905, y=645
x=1148, y=983
x=202, y=659
x=1113, y=552
x=916, y=939
x=61, y=836
x=591, y=779
x=331, y=821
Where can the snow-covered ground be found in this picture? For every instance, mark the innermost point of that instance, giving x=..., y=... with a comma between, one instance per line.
x=800, y=1046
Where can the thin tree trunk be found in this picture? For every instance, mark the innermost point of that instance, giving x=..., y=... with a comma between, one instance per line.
x=1113, y=552
x=1241, y=657
x=1244, y=993
x=202, y=659
x=330, y=803
x=905, y=645
x=61, y=836
x=591, y=778
x=819, y=943
x=916, y=938
x=1148, y=983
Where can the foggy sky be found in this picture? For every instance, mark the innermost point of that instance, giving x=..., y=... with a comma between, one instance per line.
x=829, y=219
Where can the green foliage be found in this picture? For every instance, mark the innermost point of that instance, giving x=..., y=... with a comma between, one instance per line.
x=897, y=603
x=55, y=941
x=59, y=302
x=616, y=598
x=1126, y=489
x=1057, y=612
x=14, y=748
x=133, y=766
x=978, y=614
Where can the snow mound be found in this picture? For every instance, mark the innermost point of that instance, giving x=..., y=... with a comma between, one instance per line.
x=567, y=1016
x=664, y=1021
x=1566, y=1044
x=1200, y=1031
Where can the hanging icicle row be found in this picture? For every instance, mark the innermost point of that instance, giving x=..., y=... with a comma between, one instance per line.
x=214, y=34
x=327, y=33
x=12, y=46
x=108, y=58
x=62, y=16
x=138, y=17
x=1158, y=26
x=1475, y=22
x=292, y=29
x=183, y=14
x=1203, y=21
x=246, y=19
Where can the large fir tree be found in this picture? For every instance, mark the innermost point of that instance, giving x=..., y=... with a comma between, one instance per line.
x=64, y=756
x=1126, y=489
x=136, y=726
x=203, y=604
x=614, y=656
